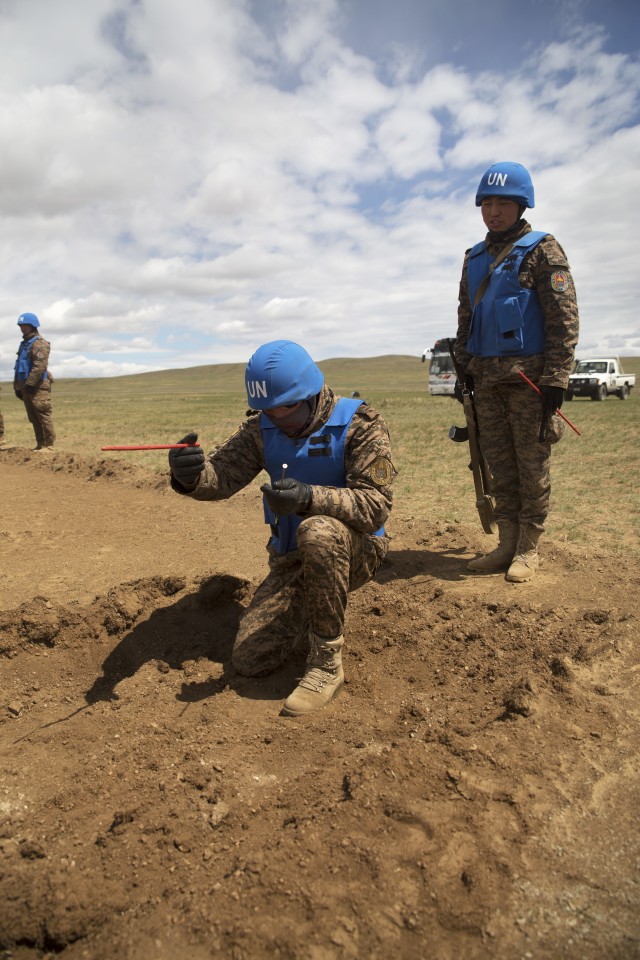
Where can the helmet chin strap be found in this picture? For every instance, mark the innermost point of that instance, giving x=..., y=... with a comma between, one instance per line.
x=496, y=234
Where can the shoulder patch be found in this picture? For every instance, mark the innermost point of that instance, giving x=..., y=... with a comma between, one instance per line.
x=381, y=471
x=559, y=280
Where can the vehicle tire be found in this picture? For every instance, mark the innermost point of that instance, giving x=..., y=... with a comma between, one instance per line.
x=601, y=392
x=623, y=392
x=568, y=395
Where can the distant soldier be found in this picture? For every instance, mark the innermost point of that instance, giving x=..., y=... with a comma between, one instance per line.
x=2, y=440
x=517, y=312
x=32, y=380
x=329, y=464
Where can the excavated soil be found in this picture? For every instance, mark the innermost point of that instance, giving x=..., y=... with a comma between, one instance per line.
x=473, y=793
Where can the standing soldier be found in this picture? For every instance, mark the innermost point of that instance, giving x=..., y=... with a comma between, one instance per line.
x=517, y=312
x=32, y=380
x=329, y=494
x=2, y=440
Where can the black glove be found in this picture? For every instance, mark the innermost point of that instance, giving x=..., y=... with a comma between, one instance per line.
x=18, y=394
x=457, y=390
x=187, y=464
x=552, y=398
x=287, y=496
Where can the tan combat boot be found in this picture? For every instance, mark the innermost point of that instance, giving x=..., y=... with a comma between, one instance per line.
x=323, y=677
x=525, y=561
x=501, y=557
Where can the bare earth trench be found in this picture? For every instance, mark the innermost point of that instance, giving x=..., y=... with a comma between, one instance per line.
x=473, y=793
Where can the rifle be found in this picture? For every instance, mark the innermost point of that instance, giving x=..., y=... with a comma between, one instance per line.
x=484, y=502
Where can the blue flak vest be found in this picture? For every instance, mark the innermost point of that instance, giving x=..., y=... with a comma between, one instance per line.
x=316, y=459
x=508, y=321
x=24, y=363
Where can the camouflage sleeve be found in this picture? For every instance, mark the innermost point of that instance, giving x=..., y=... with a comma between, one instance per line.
x=547, y=271
x=230, y=466
x=365, y=502
x=465, y=310
x=40, y=350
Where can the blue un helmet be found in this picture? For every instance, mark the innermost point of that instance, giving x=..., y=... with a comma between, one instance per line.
x=281, y=373
x=29, y=318
x=509, y=180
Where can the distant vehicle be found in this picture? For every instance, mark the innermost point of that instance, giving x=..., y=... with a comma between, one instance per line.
x=442, y=376
x=598, y=378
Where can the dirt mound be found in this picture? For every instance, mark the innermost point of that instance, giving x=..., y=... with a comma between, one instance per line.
x=91, y=469
x=473, y=792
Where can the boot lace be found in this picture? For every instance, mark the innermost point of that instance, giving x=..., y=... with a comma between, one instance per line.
x=316, y=678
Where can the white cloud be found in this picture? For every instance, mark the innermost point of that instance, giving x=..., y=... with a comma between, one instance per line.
x=409, y=139
x=81, y=366
x=62, y=150
x=306, y=30
x=50, y=43
x=166, y=168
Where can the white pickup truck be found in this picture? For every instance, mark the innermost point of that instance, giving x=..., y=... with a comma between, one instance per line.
x=598, y=378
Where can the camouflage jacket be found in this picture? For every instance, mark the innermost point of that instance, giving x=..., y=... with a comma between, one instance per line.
x=559, y=307
x=365, y=502
x=39, y=353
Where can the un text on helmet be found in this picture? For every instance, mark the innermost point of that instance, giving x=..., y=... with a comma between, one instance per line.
x=257, y=388
x=500, y=179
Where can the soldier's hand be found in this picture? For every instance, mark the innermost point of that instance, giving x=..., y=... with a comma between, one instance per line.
x=287, y=496
x=552, y=398
x=18, y=394
x=187, y=464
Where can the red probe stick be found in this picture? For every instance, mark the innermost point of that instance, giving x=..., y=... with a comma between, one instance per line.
x=153, y=446
x=559, y=412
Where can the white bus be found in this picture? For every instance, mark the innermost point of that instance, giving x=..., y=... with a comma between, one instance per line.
x=442, y=376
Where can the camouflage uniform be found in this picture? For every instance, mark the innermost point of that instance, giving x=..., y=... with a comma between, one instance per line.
x=508, y=410
x=337, y=550
x=38, y=404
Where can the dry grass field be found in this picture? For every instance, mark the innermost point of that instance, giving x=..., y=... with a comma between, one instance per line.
x=595, y=497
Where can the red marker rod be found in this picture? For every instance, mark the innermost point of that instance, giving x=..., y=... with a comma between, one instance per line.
x=153, y=446
x=559, y=412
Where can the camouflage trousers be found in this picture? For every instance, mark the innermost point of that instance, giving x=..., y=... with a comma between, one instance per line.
x=509, y=422
x=40, y=414
x=304, y=590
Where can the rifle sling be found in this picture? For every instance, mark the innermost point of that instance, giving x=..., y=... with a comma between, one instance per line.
x=482, y=289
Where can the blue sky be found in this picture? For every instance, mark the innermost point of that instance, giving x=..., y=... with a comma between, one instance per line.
x=183, y=182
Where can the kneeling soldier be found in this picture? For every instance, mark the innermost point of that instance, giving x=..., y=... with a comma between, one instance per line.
x=326, y=514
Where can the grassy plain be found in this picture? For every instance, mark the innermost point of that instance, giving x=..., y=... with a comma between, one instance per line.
x=595, y=477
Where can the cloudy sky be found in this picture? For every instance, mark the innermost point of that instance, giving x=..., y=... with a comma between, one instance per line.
x=183, y=181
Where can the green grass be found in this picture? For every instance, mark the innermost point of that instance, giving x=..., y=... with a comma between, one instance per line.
x=595, y=500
